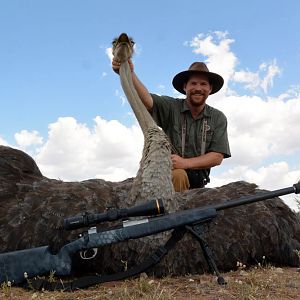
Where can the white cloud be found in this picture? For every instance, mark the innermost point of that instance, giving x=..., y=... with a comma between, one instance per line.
x=73, y=151
x=3, y=142
x=26, y=138
x=161, y=87
x=137, y=48
x=272, y=70
x=260, y=80
x=108, y=52
x=271, y=177
x=216, y=48
x=220, y=59
x=260, y=128
x=121, y=96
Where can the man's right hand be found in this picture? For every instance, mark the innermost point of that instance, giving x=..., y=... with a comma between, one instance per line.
x=116, y=65
x=138, y=85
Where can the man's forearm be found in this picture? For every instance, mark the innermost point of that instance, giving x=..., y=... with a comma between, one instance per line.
x=208, y=160
x=142, y=92
x=205, y=161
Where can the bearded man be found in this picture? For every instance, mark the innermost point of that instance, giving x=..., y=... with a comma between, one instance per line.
x=197, y=131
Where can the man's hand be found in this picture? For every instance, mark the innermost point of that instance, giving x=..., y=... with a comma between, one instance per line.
x=116, y=65
x=178, y=162
x=208, y=160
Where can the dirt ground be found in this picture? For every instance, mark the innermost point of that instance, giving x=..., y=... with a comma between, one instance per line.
x=255, y=283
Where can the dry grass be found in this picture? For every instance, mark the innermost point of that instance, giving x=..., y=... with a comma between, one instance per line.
x=256, y=283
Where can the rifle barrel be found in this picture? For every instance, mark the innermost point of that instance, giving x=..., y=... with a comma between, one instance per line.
x=260, y=197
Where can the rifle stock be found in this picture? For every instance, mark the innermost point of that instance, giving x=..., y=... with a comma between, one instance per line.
x=15, y=266
x=40, y=261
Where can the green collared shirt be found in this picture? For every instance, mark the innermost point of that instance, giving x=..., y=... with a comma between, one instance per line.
x=171, y=114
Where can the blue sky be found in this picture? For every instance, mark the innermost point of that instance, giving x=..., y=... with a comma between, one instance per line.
x=62, y=104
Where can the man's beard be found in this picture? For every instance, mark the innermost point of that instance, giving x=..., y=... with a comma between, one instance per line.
x=196, y=102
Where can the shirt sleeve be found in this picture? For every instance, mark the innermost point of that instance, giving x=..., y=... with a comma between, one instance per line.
x=161, y=109
x=219, y=142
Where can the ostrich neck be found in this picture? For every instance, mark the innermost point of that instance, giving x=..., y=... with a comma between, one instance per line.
x=144, y=118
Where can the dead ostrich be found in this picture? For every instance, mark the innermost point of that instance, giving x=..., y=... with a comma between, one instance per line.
x=32, y=209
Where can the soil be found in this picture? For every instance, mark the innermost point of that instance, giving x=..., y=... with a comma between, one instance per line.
x=256, y=283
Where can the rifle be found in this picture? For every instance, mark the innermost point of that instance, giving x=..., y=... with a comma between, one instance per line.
x=41, y=260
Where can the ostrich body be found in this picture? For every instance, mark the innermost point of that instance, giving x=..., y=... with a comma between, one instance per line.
x=32, y=209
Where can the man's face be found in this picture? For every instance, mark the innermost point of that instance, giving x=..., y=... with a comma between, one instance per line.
x=197, y=89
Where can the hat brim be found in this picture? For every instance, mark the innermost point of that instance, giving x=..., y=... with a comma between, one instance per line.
x=215, y=80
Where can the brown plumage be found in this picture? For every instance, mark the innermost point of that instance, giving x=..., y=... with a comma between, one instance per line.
x=32, y=208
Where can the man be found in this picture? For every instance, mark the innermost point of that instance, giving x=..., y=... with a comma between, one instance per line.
x=197, y=131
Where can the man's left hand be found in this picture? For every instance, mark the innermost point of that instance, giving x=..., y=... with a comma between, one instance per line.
x=178, y=162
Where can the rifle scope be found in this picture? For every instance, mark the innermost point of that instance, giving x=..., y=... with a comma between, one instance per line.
x=151, y=208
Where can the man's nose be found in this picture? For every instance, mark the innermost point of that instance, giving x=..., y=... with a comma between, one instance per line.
x=198, y=89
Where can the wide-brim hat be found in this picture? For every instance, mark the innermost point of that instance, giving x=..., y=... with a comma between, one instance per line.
x=181, y=78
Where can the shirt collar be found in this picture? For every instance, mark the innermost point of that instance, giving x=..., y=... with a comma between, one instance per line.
x=204, y=113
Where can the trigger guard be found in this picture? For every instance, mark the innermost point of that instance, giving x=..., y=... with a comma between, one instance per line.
x=83, y=254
